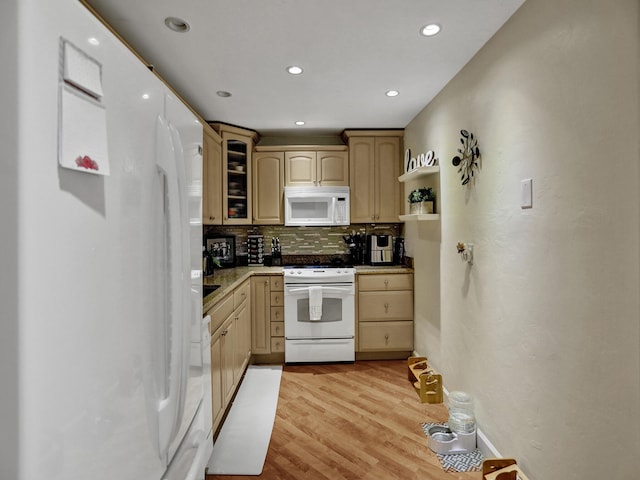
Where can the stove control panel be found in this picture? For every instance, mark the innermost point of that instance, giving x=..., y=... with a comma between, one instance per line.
x=319, y=275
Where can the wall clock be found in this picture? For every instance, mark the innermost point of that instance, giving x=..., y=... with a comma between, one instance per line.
x=467, y=161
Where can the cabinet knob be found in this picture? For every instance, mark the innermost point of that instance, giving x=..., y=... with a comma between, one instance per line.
x=224, y=333
x=266, y=282
x=386, y=308
x=278, y=329
x=277, y=314
x=386, y=339
x=386, y=283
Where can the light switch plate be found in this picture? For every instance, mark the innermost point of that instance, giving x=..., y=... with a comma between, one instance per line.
x=526, y=198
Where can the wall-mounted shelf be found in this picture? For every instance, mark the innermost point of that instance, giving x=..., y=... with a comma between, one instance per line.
x=420, y=217
x=418, y=172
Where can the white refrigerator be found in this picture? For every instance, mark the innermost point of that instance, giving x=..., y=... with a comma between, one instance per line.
x=103, y=350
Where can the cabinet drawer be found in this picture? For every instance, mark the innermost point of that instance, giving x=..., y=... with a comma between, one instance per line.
x=380, y=336
x=277, y=299
x=277, y=329
x=277, y=344
x=389, y=281
x=276, y=283
x=380, y=306
x=220, y=312
x=240, y=294
x=277, y=314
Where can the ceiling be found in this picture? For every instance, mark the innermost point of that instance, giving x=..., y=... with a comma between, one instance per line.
x=352, y=52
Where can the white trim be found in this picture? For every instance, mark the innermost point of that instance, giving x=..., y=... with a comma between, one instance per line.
x=486, y=447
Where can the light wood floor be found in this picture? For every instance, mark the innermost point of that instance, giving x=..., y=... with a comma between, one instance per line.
x=351, y=421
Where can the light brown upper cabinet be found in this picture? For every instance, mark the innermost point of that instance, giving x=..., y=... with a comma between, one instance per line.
x=211, y=177
x=237, y=148
x=374, y=166
x=317, y=167
x=268, y=188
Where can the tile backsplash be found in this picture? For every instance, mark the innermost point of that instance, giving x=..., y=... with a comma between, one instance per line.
x=302, y=240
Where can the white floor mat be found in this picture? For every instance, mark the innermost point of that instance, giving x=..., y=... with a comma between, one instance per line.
x=241, y=446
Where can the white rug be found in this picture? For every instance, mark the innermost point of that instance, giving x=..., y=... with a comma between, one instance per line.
x=241, y=446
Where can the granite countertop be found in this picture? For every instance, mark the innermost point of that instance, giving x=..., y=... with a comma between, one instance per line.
x=230, y=278
x=371, y=269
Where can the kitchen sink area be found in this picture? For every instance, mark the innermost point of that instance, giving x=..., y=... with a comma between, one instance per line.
x=207, y=289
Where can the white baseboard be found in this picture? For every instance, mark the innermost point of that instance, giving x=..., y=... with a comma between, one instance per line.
x=486, y=447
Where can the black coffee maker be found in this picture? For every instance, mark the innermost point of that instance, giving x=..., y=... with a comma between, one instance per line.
x=357, y=244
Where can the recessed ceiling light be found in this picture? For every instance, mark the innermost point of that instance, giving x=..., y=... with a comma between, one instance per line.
x=176, y=24
x=300, y=123
x=94, y=41
x=392, y=93
x=223, y=93
x=294, y=70
x=430, y=30
x=145, y=96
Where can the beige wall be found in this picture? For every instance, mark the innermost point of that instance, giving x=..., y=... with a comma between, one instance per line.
x=544, y=328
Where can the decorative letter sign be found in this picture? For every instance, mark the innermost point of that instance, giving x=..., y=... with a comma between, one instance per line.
x=423, y=160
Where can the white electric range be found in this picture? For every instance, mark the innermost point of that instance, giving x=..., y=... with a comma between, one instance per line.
x=319, y=313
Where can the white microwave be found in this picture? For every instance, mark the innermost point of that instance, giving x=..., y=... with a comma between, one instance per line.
x=316, y=206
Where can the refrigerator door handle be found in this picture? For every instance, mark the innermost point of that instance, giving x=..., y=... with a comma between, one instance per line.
x=171, y=365
x=184, y=284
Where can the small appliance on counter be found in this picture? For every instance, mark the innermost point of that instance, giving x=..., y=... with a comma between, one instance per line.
x=223, y=249
x=398, y=251
x=357, y=243
x=380, y=249
x=276, y=251
x=255, y=249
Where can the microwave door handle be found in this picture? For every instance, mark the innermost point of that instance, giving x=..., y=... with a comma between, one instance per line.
x=334, y=210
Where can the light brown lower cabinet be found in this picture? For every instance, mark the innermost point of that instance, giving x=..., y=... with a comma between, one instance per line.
x=381, y=336
x=267, y=320
x=242, y=320
x=385, y=312
x=260, y=318
x=216, y=377
x=277, y=344
x=230, y=347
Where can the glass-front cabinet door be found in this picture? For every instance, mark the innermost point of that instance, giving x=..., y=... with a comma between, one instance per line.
x=237, y=154
x=237, y=147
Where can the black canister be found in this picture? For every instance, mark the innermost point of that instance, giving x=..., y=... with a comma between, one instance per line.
x=398, y=251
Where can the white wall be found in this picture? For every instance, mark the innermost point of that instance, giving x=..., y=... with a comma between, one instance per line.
x=544, y=328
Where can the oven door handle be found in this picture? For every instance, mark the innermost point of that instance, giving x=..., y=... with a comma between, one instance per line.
x=342, y=290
